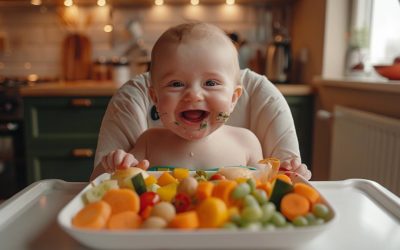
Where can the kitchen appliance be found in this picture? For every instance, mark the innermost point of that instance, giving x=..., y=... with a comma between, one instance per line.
x=12, y=165
x=278, y=58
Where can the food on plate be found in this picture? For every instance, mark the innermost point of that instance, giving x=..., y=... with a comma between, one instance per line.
x=230, y=198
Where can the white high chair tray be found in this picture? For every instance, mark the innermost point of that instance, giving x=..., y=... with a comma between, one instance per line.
x=368, y=217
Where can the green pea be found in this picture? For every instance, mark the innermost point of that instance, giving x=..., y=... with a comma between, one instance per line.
x=240, y=191
x=268, y=210
x=252, y=184
x=261, y=196
x=320, y=211
x=230, y=225
x=250, y=201
x=300, y=221
x=251, y=214
x=253, y=226
x=278, y=219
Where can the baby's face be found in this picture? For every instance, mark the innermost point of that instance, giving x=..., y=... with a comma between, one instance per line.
x=194, y=87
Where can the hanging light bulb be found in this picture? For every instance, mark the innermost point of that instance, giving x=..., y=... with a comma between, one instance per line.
x=108, y=28
x=68, y=3
x=158, y=2
x=230, y=2
x=101, y=3
x=195, y=2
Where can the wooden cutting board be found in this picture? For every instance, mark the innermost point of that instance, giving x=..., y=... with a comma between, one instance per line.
x=76, y=57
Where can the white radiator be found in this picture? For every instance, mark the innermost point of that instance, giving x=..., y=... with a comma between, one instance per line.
x=366, y=145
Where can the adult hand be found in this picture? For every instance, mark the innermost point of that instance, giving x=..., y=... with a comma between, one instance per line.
x=296, y=166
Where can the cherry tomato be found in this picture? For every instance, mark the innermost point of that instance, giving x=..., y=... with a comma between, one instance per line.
x=216, y=177
x=148, y=199
x=182, y=202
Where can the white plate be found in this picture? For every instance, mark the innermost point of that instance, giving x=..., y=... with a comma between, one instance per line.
x=198, y=239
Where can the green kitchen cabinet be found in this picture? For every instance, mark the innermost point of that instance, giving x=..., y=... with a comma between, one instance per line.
x=302, y=108
x=61, y=136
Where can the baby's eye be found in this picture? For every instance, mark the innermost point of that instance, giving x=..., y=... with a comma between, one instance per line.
x=211, y=83
x=176, y=84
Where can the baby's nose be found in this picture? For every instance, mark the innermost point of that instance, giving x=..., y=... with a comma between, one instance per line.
x=194, y=94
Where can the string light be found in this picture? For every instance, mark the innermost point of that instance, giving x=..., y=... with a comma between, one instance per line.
x=230, y=2
x=68, y=3
x=36, y=2
x=108, y=28
x=194, y=2
x=101, y=3
x=159, y=2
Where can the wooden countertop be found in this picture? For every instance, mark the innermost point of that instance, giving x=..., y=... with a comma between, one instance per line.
x=108, y=88
x=364, y=84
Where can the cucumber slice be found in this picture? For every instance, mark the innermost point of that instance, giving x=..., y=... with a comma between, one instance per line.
x=96, y=193
x=280, y=189
x=139, y=184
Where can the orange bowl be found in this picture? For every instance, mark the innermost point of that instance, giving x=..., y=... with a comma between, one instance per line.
x=391, y=72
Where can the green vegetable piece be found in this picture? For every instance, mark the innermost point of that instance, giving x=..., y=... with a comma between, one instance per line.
x=251, y=214
x=230, y=225
x=250, y=201
x=300, y=221
x=278, y=219
x=252, y=184
x=139, y=184
x=253, y=226
x=240, y=191
x=280, y=189
x=268, y=210
x=318, y=221
x=261, y=196
x=269, y=227
x=310, y=218
x=321, y=211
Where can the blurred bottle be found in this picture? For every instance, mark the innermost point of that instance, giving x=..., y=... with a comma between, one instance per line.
x=278, y=56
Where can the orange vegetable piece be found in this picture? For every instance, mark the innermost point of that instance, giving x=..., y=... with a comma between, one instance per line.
x=122, y=200
x=150, y=180
x=212, y=213
x=204, y=189
x=293, y=205
x=284, y=178
x=186, y=220
x=307, y=191
x=92, y=216
x=223, y=190
x=124, y=220
x=166, y=178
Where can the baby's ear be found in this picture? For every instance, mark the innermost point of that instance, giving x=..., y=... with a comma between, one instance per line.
x=153, y=95
x=236, y=95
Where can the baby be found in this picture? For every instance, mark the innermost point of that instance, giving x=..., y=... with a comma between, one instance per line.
x=195, y=79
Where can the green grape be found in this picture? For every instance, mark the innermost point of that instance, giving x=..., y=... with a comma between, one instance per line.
x=310, y=218
x=236, y=218
x=321, y=211
x=252, y=184
x=230, y=225
x=251, y=214
x=261, y=196
x=240, y=191
x=250, y=201
x=300, y=221
x=253, y=226
x=278, y=219
x=268, y=210
x=318, y=221
x=269, y=227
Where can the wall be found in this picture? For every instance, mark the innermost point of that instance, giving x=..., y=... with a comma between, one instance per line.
x=33, y=36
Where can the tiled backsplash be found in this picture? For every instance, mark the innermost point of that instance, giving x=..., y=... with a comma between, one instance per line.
x=33, y=37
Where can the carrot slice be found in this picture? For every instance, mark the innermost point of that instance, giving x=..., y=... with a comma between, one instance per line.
x=293, y=205
x=122, y=200
x=124, y=221
x=307, y=191
x=186, y=220
x=204, y=189
x=92, y=216
x=284, y=178
x=223, y=190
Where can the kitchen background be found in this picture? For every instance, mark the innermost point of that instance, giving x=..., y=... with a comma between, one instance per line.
x=65, y=59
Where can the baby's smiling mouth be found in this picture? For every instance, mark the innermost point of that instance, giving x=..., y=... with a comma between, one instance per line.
x=194, y=116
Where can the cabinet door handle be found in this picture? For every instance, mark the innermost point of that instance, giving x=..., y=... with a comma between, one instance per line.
x=82, y=152
x=81, y=102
